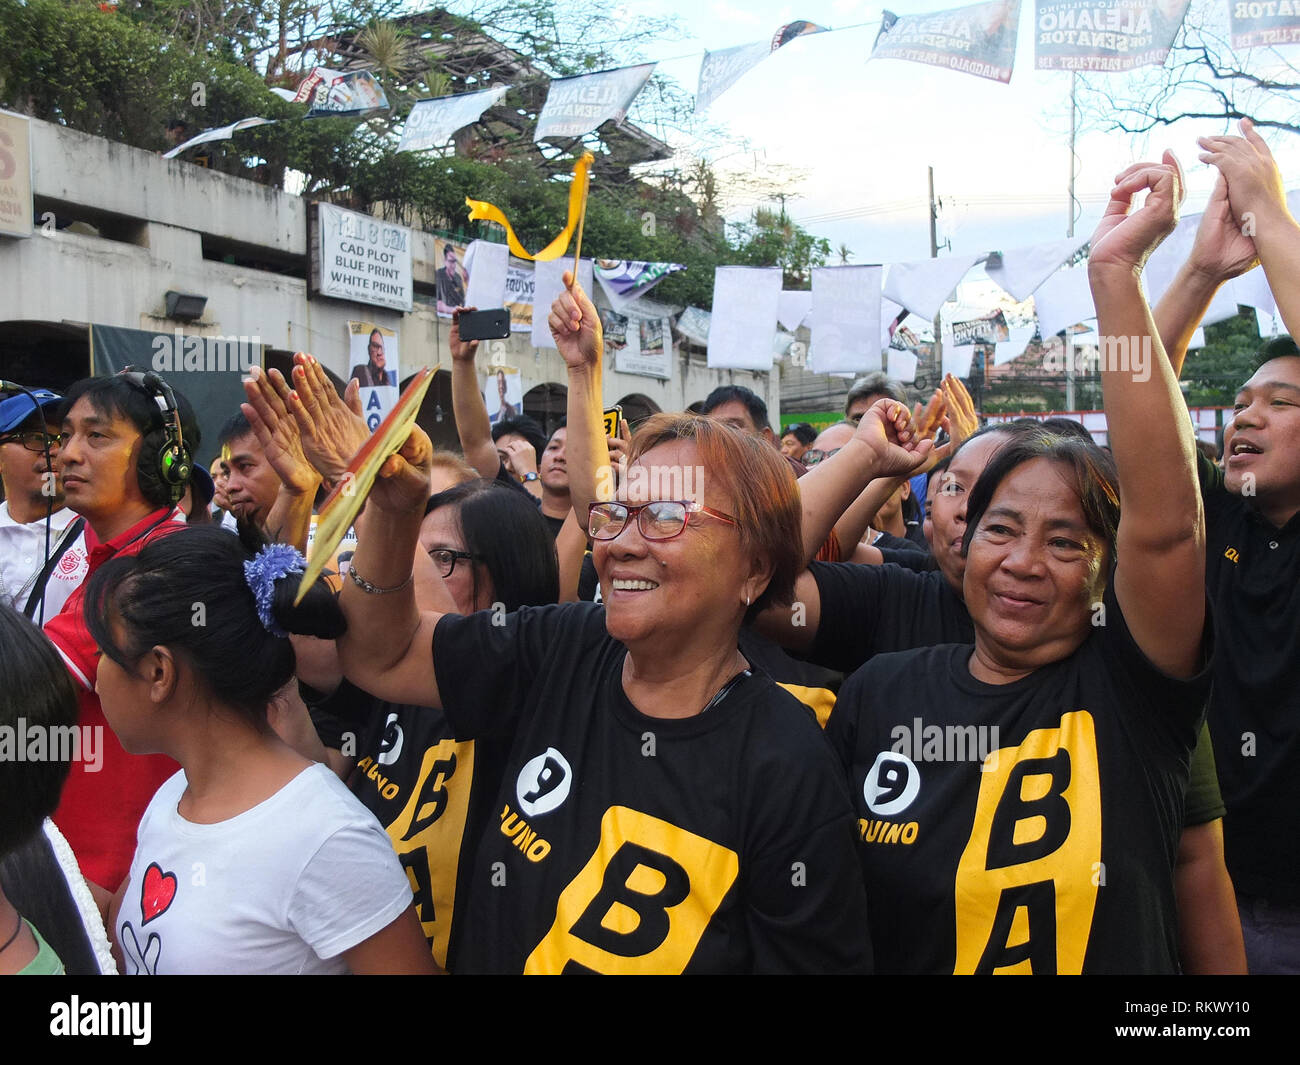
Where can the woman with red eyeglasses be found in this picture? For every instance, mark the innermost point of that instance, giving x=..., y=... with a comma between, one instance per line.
x=664, y=807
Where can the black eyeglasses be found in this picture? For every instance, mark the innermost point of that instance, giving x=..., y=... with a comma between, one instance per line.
x=815, y=455
x=446, y=559
x=33, y=441
x=661, y=520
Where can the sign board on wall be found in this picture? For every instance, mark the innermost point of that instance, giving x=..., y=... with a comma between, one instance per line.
x=360, y=258
x=15, y=176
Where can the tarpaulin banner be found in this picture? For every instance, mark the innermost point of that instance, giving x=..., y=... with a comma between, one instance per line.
x=626, y=279
x=721, y=70
x=1107, y=35
x=355, y=94
x=987, y=329
x=979, y=39
x=845, y=319
x=578, y=105
x=1263, y=22
x=431, y=123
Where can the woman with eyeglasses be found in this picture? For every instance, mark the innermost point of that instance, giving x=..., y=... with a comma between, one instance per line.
x=664, y=807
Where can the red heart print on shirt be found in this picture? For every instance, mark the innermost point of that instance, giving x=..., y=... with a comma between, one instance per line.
x=157, y=893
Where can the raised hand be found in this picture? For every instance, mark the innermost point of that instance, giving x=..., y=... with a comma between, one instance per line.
x=575, y=325
x=1125, y=240
x=402, y=486
x=332, y=429
x=961, y=419
x=277, y=433
x=461, y=350
x=887, y=429
x=521, y=456
x=1222, y=249
x=1254, y=181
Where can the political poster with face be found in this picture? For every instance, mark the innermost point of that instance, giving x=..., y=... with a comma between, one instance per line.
x=503, y=393
x=450, y=279
x=374, y=360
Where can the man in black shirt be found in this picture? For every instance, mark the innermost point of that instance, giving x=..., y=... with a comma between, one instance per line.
x=1253, y=547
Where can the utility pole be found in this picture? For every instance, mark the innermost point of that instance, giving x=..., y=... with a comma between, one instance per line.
x=1069, y=232
x=937, y=349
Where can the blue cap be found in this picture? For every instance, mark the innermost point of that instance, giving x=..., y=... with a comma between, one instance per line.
x=17, y=409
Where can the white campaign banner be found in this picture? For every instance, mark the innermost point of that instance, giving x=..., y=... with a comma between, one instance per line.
x=845, y=319
x=722, y=69
x=487, y=265
x=744, y=317
x=578, y=105
x=547, y=285
x=431, y=123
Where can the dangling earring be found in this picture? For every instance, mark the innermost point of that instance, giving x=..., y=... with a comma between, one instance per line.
x=746, y=599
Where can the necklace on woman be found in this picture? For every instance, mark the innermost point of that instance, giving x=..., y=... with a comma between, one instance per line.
x=17, y=928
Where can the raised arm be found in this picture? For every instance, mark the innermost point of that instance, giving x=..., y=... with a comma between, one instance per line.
x=290, y=516
x=1220, y=252
x=472, y=424
x=1258, y=202
x=388, y=647
x=576, y=328
x=1160, y=572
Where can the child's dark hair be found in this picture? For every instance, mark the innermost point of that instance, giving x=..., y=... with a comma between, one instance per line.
x=187, y=591
x=34, y=686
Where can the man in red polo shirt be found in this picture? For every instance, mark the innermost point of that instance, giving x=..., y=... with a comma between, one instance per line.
x=114, y=430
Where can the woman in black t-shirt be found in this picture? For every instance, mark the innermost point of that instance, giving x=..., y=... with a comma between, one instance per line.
x=1025, y=818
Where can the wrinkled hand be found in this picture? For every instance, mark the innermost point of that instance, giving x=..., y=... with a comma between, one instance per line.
x=1221, y=250
x=887, y=429
x=277, y=433
x=575, y=326
x=332, y=429
x=961, y=420
x=403, y=482
x=1254, y=181
x=1124, y=240
x=521, y=457
x=461, y=351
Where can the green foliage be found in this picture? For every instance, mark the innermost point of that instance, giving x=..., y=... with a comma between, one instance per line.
x=1215, y=372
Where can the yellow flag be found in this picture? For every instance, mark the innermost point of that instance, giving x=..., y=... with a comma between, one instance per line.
x=577, y=205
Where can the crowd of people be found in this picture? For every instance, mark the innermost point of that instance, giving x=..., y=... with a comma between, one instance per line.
x=911, y=694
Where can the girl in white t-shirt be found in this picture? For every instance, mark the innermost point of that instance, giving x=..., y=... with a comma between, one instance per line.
x=251, y=859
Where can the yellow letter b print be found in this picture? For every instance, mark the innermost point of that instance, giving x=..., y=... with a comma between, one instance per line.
x=1025, y=891
x=641, y=902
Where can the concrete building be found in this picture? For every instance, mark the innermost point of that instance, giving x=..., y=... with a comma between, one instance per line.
x=116, y=228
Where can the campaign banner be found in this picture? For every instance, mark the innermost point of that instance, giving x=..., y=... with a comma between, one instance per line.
x=548, y=283
x=15, y=176
x=450, y=280
x=654, y=357
x=355, y=94
x=486, y=264
x=219, y=133
x=503, y=393
x=1253, y=23
x=520, y=285
x=431, y=123
x=987, y=329
x=358, y=257
x=845, y=319
x=720, y=70
x=743, y=322
x=625, y=280
x=374, y=358
x=1104, y=35
x=579, y=104
x=979, y=39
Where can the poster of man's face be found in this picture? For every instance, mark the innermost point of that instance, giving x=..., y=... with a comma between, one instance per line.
x=503, y=393
x=450, y=279
x=374, y=362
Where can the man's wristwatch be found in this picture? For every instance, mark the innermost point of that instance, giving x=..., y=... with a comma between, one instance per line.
x=527, y=477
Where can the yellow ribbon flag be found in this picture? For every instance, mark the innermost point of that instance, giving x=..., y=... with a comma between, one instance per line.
x=479, y=209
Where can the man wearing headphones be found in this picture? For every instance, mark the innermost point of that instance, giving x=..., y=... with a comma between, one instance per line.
x=125, y=461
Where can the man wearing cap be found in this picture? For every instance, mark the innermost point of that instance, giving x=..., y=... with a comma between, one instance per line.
x=42, y=544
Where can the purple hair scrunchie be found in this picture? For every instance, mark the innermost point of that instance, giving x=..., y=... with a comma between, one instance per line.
x=272, y=562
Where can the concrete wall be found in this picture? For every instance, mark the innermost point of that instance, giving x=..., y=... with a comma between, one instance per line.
x=160, y=209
